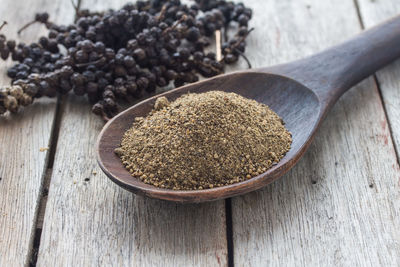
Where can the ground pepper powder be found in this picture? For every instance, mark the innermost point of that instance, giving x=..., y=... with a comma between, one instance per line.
x=202, y=141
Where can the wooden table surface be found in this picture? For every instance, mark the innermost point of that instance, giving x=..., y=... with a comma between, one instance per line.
x=340, y=206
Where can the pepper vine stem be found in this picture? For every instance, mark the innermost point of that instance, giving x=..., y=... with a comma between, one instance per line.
x=244, y=57
x=26, y=26
x=235, y=45
x=3, y=24
x=77, y=8
x=183, y=18
x=162, y=13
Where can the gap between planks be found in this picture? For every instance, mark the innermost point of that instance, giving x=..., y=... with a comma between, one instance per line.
x=37, y=232
x=229, y=231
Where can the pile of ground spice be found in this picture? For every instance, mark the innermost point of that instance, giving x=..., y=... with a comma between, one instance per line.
x=203, y=141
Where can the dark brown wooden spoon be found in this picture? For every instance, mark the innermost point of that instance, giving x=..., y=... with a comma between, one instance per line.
x=300, y=92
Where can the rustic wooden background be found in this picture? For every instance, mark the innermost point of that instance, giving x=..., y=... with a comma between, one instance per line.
x=340, y=206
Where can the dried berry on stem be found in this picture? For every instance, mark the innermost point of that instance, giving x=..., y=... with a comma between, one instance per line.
x=119, y=56
x=39, y=17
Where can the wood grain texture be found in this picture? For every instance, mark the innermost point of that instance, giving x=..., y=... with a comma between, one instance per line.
x=388, y=78
x=22, y=164
x=90, y=221
x=340, y=205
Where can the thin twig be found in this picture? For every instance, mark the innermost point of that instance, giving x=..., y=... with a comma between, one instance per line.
x=78, y=5
x=26, y=26
x=162, y=13
x=183, y=18
x=88, y=63
x=77, y=8
x=3, y=24
x=245, y=58
x=218, y=44
x=208, y=66
x=74, y=6
x=238, y=42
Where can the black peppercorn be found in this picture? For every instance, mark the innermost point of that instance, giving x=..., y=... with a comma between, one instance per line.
x=125, y=52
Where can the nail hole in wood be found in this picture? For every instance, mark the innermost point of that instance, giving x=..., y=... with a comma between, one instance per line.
x=87, y=179
x=313, y=181
x=371, y=185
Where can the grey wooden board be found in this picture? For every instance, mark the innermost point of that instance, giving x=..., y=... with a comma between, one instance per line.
x=373, y=12
x=340, y=205
x=22, y=164
x=96, y=223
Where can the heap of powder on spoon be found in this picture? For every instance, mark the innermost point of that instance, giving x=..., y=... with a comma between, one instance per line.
x=202, y=141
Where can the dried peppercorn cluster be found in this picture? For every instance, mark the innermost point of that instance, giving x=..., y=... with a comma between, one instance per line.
x=118, y=55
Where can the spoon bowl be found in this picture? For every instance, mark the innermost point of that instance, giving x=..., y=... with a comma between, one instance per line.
x=273, y=90
x=300, y=92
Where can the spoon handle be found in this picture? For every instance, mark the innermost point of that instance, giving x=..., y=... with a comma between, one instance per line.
x=333, y=71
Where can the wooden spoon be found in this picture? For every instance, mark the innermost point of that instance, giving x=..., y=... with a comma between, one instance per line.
x=300, y=92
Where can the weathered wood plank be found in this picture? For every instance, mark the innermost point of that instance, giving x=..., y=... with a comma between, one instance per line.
x=22, y=164
x=340, y=205
x=373, y=12
x=95, y=223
